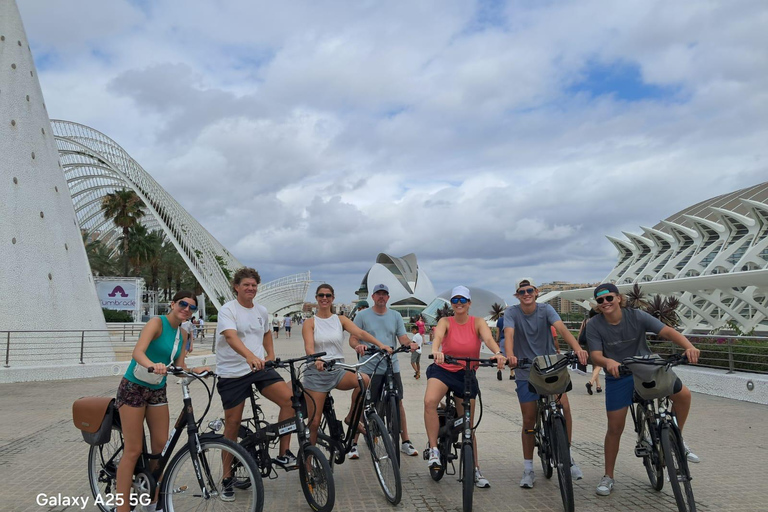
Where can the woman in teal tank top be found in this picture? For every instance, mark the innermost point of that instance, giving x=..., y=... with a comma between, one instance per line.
x=137, y=400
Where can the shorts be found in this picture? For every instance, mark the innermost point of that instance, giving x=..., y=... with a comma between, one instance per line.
x=235, y=390
x=287, y=328
x=415, y=357
x=619, y=392
x=322, y=381
x=454, y=380
x=135, y=395
x=524, y=393
x=377, y=383
x=276, y=329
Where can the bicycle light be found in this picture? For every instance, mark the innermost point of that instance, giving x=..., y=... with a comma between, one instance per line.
x=216, y=425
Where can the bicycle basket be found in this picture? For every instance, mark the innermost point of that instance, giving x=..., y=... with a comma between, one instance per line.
x=651, y=381
x=93, y=415
x=546, y=379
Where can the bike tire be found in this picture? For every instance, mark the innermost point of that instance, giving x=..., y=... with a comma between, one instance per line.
x=677, y=469
x=102, y=469
x=545, y=449
x=393, y=423
x=384, y=458
x=467, y=476
x=652, y=462
x=562, y=456
x=181, y=491
x=333, y=454
x=317, y=480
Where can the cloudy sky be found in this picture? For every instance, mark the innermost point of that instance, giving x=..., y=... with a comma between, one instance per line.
x=493, y=139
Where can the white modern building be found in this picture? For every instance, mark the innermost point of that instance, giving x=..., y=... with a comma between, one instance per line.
x=713, y=256
x=410, y=290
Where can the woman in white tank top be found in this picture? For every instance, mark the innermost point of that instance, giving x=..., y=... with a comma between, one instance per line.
x=325, y=333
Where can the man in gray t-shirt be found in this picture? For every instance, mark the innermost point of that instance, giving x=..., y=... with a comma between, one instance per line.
x=624, y=340
x=527, y=334
x=388, y=327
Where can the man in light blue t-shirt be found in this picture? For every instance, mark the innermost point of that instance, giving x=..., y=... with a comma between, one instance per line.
x=388, y=327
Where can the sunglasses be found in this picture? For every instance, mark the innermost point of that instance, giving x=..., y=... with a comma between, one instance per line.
x=184, y=305
x=324, y=295
x=523, y=291
x=608, y=298
x=457, y=300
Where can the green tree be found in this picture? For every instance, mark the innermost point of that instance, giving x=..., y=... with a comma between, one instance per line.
x=100, y=256
x=497, y=311
x=124, y=208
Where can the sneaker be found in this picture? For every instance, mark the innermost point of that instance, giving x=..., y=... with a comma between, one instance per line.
x=227, y=490
x=434, y=459
x=353, y=455
x=605, y=486
x=692, y=457
x=576, y=472
x=408, y=449
x=286, y=461
x=498, y=374
x=480, y=480
x=528, y=478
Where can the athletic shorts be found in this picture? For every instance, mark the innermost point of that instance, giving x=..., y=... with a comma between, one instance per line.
x=618, y=392
x=377, y=382
x=287, y=328
x=322, y=381
x=415, y=357
x=276, y=329
x=235, y=390
x=454, y=380
x=135, y=395
x=524, y=393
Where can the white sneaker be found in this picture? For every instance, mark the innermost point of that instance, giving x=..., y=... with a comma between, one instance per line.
x=528, y=478
x=576, y=472
x=480, y=480
x=605, y=486
x=692, y=457
x=352, y=454
x=434, y=459
x=408, y=449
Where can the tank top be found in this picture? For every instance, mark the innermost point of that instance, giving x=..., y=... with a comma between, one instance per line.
x=460, y=341
x=158, y=351
x=329, y=337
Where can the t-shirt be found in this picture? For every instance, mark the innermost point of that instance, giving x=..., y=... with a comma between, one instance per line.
x=188, y=327
x=287, y=321
x=626, y=339
x=276, y=322
x=532, y=333
x=250, y=324
x=419, y=340
x=386, y=328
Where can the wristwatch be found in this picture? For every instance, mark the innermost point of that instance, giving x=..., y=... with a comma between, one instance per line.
x=498, y=353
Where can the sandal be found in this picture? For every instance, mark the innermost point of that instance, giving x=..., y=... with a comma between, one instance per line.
x=599, y=389
x=589, y=387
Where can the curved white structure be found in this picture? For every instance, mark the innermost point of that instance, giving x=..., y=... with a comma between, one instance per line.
x=713, y=255
x=45, y=280
x=409, y=287
x=284, y=295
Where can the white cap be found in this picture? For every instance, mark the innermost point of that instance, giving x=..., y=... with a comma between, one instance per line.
x=522, y=280
x=461, y=291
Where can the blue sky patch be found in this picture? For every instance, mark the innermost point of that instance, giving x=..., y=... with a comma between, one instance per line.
x=622, y=80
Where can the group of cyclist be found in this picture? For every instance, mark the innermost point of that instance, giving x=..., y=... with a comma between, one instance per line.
x=244, y=343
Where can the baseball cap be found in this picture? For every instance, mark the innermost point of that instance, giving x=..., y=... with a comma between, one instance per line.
x=379, y=288
x=606, y=288
x=461, y=291
x=525, y=281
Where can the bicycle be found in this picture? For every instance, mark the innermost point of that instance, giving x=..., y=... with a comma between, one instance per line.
x=451, y=426
x=659, y=440
x=257, y=435
x=337, y=443
x=388, y=403
x=193, y=479
x=549, y=378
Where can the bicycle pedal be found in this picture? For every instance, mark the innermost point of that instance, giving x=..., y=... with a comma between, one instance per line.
x=642, y=451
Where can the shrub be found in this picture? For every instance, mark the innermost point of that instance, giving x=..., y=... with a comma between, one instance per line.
x=111, y=315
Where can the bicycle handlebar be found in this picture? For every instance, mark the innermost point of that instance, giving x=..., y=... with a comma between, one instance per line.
x=457, y=360
x=179, y=371
x=345, y=366
x=672, y=360
x=569, y=357
x=377, y=350
x=284, y=363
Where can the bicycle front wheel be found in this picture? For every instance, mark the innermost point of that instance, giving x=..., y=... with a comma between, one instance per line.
x=393, y=423
x=649, y=443
x=384, y=457
x=218, y=458
x=562, y=453
x=316, y=479
x=677, y=469
x=102, y=469
x=544, y=440
x=467, y=475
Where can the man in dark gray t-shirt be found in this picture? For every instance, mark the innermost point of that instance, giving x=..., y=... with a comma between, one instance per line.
x=627, y=339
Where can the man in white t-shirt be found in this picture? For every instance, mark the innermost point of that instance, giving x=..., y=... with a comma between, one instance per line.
x=188, y=334
x=276, y=326
x=200, y=327
x=243, y=344
x=416, y=354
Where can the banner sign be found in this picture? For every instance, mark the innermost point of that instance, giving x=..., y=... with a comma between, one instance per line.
x=119, y=295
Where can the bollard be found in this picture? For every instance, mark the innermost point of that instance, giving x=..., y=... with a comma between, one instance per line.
x=731, y=366
x=82, y=346
x=8, y=349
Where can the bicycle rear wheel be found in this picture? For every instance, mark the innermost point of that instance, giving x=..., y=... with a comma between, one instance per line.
x=649, y=442
x=392, y=416
x=181, y=490
x=544, y=441
x=316, y=479
x=383, y=455
x=677, y=469
x=467, y=476
x=562, y=456
x=102, y=468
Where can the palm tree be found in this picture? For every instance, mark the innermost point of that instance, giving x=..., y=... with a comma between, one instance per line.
x=445, y=311
x=636, y=298
x=141, y=247
x=100, y=257
x=664, y=309
x=497, y=311
x=125, y=209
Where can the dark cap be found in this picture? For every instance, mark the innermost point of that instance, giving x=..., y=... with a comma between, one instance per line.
x=606, y=288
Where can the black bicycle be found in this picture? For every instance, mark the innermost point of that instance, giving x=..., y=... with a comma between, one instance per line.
x=549, y=378
x=659, y=440
x=200, y=476
x=332, y=437
x=452, y=425
x=388, y=402
x=257, y=435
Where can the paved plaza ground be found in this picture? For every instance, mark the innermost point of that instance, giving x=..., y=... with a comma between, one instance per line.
x=42, y=452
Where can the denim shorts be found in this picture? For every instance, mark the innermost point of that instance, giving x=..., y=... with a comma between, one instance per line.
x=454, y=380
x=524, y=394
x=619, y=392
